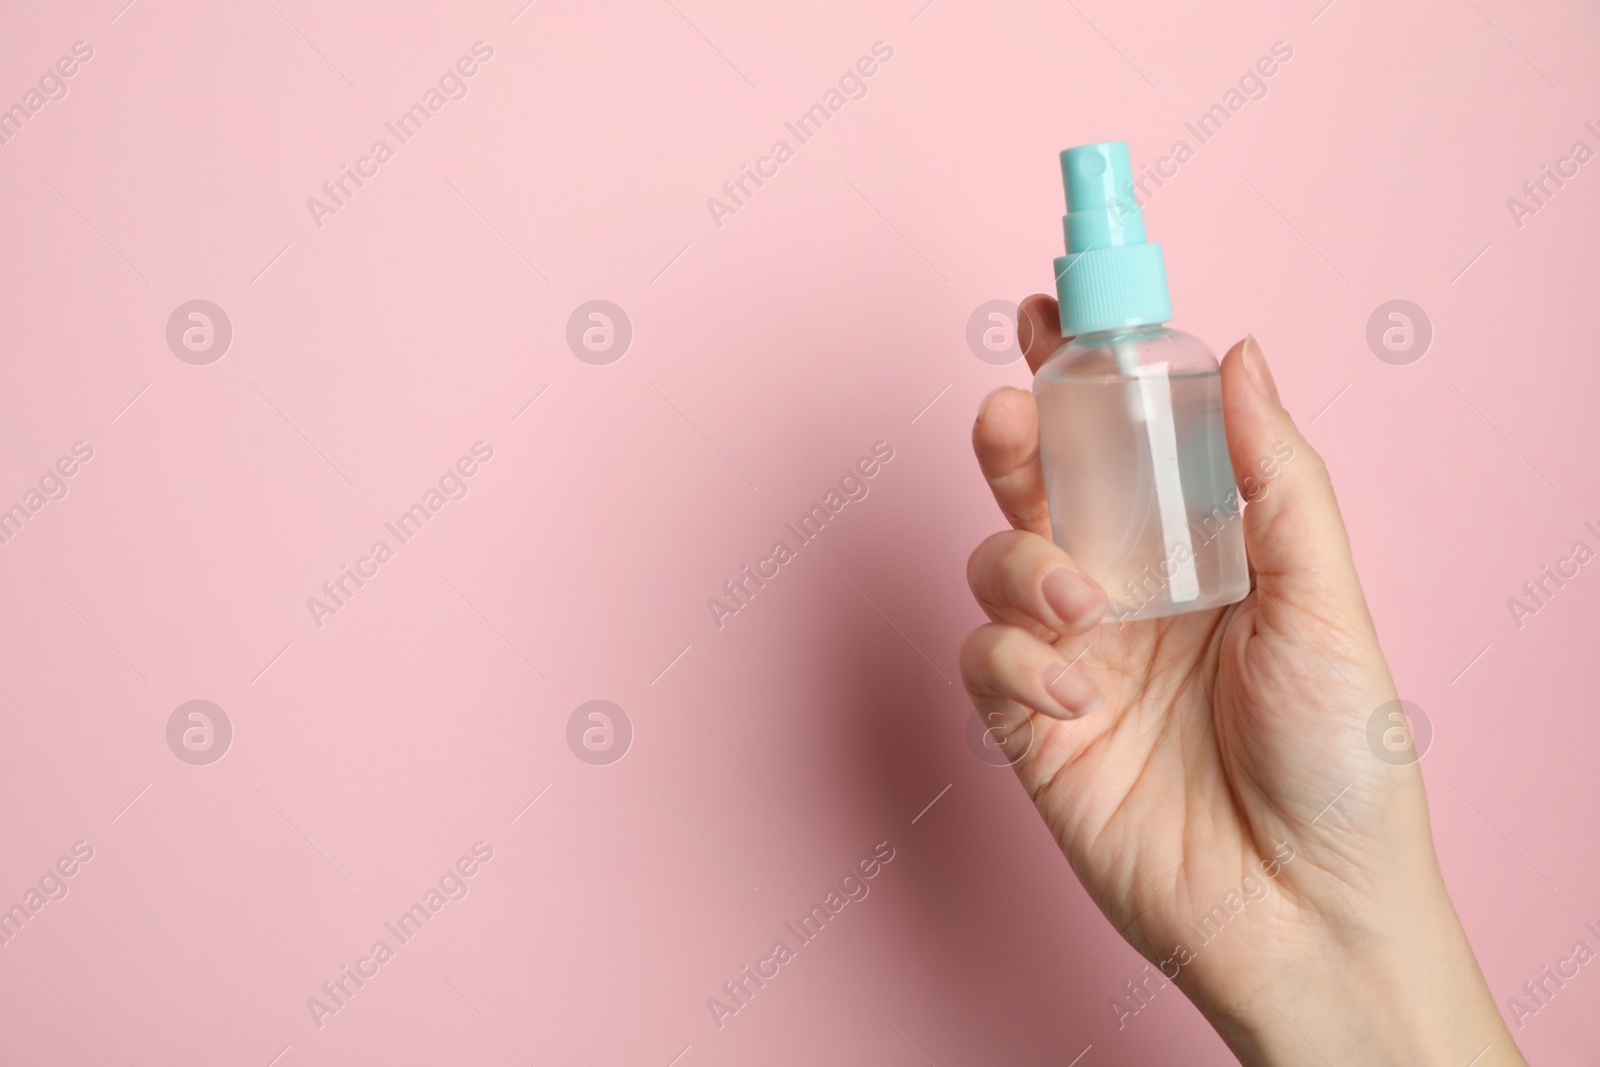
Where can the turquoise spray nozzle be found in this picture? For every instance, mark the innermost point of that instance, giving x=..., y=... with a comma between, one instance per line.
x=1111, y=276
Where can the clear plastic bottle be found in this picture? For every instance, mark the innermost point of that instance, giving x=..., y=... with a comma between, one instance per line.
x=1130, y=415
x=1136, y=468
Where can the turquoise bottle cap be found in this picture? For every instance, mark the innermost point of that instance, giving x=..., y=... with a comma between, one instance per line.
x=1111, y=276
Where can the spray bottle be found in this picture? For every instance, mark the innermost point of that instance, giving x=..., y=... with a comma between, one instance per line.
x=1130, y=414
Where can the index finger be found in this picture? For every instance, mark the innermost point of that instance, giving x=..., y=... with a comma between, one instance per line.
x=1006, y=441
x=1006, y=435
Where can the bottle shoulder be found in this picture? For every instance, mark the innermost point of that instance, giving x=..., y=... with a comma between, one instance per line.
x=1127, y=353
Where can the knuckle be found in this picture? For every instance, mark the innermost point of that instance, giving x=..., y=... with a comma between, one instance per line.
x=1027, y=516
x=1028, y=558
x=984, y=654
x=976, y=657
x=988, y=560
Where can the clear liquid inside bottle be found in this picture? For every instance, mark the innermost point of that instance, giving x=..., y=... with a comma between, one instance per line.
x=1137, y=472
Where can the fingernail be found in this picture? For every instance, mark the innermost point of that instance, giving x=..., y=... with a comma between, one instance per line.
x=1077, y=598
x=1260, y=373
x=1024, y=331
x=1072, y=689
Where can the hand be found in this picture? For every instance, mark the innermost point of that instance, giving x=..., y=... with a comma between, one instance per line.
x=1208, y=775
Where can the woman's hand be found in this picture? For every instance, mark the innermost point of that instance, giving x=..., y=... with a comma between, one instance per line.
x=1208, y=775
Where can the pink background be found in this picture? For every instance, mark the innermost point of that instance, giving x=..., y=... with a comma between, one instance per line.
x=768, y=355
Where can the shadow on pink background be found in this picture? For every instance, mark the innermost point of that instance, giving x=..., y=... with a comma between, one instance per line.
x=373, y=747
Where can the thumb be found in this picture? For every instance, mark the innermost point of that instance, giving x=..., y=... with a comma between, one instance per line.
x=1293, y=531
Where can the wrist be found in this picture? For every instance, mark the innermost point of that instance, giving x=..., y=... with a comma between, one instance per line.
x=1407, y=994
